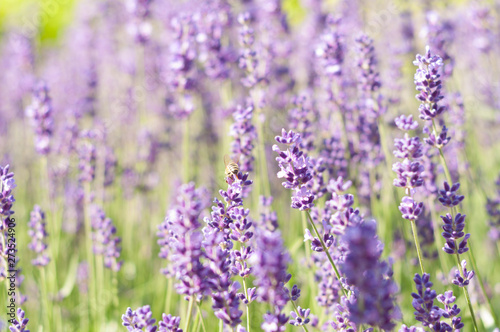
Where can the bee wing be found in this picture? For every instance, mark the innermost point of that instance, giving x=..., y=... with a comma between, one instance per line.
x=227, y=160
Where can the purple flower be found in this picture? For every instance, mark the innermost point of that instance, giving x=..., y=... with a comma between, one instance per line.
x=19, y=323
x=338, y=186
x=295, y=169
x=430, y=314
x=104, y=238
x=41, y=117
x=38, y=236
x=301, y=118
x=301, y=317
x=408, y=147
x=169, y=323
x=409, y=174
x=181, y=241
x=406, y=123
x=330, y=50
x=462, y=280
x=139, y=27
x=139, y=319
x=404, y=328
x=493, y=210
x=437, y=141
x=270, y=261
x=372, y=278
x=410, y=209
x=449, y=198
x=7, y=183
x=268, y=219
x=428, y=83
x=244, y=134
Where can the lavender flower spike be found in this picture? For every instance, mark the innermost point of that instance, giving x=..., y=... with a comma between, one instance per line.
x=19, y=324
x=295, y=169
x=38, y=235
x=40, y=114
x=428, y=83
x=139, y=319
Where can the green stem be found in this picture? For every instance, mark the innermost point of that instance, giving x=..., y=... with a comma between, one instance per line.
x=471, y=310
x=307, y=247
x=325, y=249
x=201, y=318
x=189, y=313
x=248, y=304
x=481, y=284
x=417, y=245
x=90, y=255
x=47, y=312
x=100, y=289
x=297, y=312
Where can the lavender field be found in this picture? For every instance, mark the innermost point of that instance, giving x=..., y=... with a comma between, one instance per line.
x=250, y=165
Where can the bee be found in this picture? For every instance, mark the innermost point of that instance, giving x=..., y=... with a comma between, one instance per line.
x=231, y=166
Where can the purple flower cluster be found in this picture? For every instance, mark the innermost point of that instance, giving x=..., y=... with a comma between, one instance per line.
x=244, y=134
x=410, y=171
x=141, y=320
x=19, y=323
x=182, y=63
x=181, y=240
x=105, y=241
x=372, y=278
x=229, y=225
x=493, y=210
x=41, y=117
x=428, y=83
x=295, y=169
x=270, y=260
x=7, y=183
x=38, y=236
x=431, y=315
x=139, y=27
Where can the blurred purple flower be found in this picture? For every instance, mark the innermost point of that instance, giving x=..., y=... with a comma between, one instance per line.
x=104, y=238
x=270, y=261
x=38, y=236
x=363, y=268
x=40, y=114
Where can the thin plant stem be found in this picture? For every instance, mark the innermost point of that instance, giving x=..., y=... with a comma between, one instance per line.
x=47, y=312
x=471, y=310
x=476, y=270
x=304, y=327
x=201, y=317
x=189, y=313
x=248, y=304
x=325, y=249
x=100, y=288
x=90, y=254
x=307, y=247
x=417, y=245
x=481, y=284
